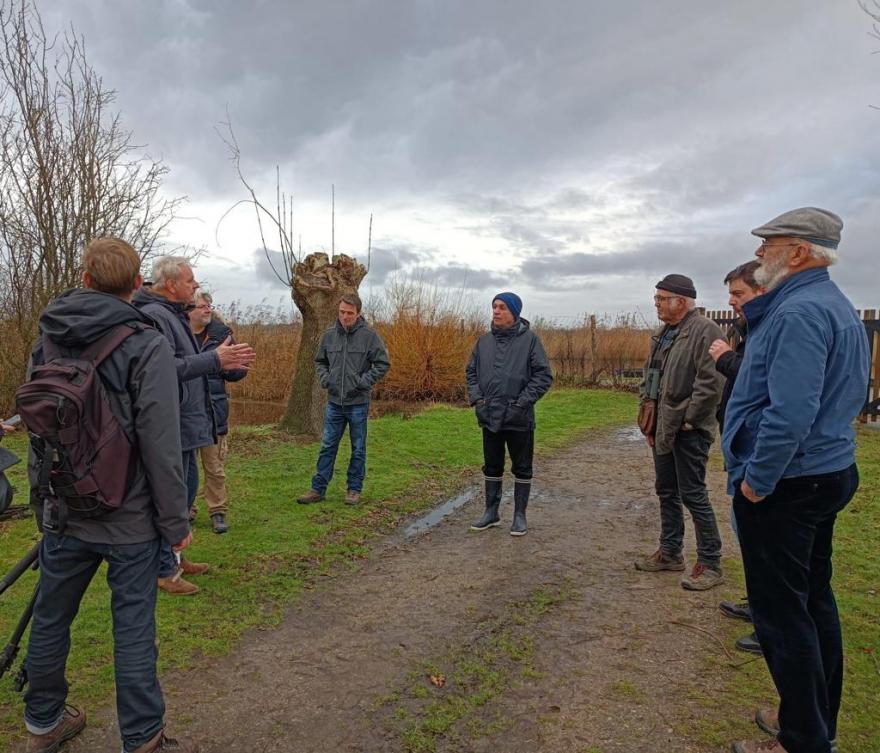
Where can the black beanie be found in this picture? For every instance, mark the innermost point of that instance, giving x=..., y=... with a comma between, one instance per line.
x=678, y=284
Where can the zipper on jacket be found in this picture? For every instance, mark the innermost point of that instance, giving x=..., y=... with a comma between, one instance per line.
x=344, y=361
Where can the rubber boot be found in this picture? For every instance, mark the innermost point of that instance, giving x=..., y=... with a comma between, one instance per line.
x=521, y=491
x=493, y=499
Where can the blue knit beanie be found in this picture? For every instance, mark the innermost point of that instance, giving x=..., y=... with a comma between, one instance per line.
x=512, y=301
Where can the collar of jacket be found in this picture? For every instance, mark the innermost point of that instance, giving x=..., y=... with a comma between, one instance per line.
x=758, y=308
x=519, y=326
x=216, y=330
x=658, y=333
x=175, y=306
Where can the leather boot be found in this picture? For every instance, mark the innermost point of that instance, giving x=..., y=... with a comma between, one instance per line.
x=521, y=491
x=493, y=499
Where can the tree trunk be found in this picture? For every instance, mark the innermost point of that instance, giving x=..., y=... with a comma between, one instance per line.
x=317, y=287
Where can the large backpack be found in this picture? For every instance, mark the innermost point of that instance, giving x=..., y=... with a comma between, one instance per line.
x=84, y=457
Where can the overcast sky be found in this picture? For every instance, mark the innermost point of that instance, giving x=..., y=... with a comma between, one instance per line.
x=573, y=152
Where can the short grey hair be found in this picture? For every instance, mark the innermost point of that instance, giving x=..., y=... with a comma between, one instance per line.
x=167, y=268
x=205, y=296
x=823, y=253
x=691, y=303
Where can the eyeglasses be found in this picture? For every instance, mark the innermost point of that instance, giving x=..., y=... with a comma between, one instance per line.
x=661, y=298
x=205, y=307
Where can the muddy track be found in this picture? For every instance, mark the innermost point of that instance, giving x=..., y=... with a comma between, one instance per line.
x=550, y=642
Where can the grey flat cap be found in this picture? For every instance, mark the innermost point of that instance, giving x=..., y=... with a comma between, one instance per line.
x=818, y=226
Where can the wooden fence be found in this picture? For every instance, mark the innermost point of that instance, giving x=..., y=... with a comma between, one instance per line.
x=871, y=411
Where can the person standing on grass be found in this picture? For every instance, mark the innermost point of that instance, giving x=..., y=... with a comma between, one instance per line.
x=728, y=354
x=167, y=301
x=508, y=372
x=789, y=449
x=211, y=332
x=141, y=388
x=350, y=360
x=678, y=398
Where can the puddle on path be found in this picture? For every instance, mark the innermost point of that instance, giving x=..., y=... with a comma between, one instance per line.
x=630, y=434
x=426, y=522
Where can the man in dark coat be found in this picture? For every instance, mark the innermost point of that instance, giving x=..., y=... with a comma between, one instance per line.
x=507, y=374
x=141, y=388
x=167, y=301
x=211, y=332
x=350, y=360
x=728, y=355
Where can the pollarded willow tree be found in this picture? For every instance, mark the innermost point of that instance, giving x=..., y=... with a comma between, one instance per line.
x=69, y=172
x=316, y=283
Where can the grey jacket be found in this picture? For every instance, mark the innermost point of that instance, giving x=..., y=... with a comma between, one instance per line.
x=141, y=385
x=350, y=362
x=508, y=372
x=197, y=423
x=690, y=388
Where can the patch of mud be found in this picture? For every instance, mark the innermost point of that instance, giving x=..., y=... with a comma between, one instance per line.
x=615, y=667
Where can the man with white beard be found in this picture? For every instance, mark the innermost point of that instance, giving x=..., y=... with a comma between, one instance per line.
x=789, y=449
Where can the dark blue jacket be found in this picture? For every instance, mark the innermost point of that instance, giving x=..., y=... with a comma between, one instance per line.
x=507, y=374
x=215, y=334
x=803, y=380
x=197, y=427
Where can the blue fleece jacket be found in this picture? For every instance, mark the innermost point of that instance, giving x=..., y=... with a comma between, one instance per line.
x=803, y=380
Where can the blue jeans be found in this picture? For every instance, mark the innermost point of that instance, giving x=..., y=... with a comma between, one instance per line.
x=67, y=566
x=335, y=419
x=786, y=549
x=680, y=479
x=168, y=562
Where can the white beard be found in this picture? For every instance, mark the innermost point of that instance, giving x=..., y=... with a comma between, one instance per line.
x=770, y=275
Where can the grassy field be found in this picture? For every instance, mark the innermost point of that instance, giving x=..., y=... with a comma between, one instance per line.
x=278, y=547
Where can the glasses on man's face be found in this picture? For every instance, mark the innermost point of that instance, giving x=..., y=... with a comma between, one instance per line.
x=765, y=246
x=205, y=307
x=661, y=298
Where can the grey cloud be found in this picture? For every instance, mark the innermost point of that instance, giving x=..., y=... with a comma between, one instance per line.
x=263, y=267
x=385, y=260
x=465, y=278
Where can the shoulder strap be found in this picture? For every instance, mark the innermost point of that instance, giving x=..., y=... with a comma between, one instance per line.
x=99, y=350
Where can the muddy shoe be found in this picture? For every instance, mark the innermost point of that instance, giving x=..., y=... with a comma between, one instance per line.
x=749, y=643
x=218, y=523
x=702, y=578
x=660, y=560
x=310, y=497
x=160, y=743
x=72, y=723
x=739, y=610
x=193, y=568
x=352, y=497
x=177, y=586
x=759, y=746
x=768, y=720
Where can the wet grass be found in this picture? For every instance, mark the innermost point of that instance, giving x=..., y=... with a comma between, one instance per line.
x=277, y=548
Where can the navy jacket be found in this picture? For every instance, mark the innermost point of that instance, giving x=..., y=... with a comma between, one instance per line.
x=197, y=427
x=215, y=334
x=507, y=374
x=349, y=362
x=803, y=380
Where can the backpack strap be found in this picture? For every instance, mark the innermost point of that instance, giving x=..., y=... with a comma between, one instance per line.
x=98, y=351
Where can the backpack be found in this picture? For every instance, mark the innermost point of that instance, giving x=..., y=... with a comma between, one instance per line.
x=83, y=455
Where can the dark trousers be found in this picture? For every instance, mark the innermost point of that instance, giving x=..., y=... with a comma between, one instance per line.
x=786, y=548
x=168, y=562
x=680, y=479
x=336, y=418
x=520, y=445
x=67, y=566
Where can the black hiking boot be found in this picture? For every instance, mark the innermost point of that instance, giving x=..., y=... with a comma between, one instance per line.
x=493, y=499
x=521, y=491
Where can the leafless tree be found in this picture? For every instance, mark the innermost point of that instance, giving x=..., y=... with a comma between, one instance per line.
x=69, y=172
x=316, y=283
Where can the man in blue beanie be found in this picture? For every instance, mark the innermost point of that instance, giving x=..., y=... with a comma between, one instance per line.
x=507, y=374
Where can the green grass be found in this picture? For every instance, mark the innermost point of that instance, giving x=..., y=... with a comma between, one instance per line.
x=276, y=547
x=498, y=659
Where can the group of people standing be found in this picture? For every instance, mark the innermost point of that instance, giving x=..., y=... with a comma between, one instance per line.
x=785, y=390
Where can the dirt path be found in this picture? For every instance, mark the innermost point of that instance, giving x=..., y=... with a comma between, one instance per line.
x=551, y=642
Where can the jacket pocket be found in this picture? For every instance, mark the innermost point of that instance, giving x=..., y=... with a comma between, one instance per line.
x=516, y=416
x=481, y=409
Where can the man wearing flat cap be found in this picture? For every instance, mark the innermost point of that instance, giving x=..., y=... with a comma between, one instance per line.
x=507, y=374
x=789, y=448
x=678, y=399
